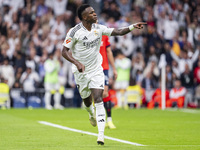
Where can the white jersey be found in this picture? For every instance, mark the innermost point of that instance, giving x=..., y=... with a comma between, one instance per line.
x=85, y=45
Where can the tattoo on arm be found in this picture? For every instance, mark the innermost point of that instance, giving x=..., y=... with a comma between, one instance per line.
x=121, y=31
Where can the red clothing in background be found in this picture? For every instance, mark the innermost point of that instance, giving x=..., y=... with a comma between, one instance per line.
x=104, y=44
x=197, y=74
x=157, y=98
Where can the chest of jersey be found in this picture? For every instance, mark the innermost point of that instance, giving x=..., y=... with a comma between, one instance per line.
x=90, y=39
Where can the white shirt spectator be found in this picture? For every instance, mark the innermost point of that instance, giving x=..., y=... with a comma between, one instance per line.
x=7, y=72
x=28, y=81
x=58, y=30
x=182, y=62
x=126, y=44
x=170, y=29
x=16, y=4
x=160, y=7
x=176, y=93
x=58, y=6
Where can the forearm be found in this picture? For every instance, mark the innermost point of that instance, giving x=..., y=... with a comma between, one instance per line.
x=110, y=57
x=68, y=56
x=128, y=29
x=121, y=31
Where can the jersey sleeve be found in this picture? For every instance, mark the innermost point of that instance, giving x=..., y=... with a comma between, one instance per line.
x=105, y=30
x=69, y=40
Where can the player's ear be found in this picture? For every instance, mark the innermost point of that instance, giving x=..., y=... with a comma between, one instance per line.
x=84, y=15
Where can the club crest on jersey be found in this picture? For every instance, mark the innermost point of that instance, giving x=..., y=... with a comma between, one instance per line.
x=96, y=33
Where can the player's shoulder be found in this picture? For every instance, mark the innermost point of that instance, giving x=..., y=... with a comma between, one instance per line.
x=74, y=30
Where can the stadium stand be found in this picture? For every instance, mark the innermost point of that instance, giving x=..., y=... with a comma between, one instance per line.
x=31, y=29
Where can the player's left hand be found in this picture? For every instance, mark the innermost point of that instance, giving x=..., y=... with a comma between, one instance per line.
x=139, y=25
x=115, y=74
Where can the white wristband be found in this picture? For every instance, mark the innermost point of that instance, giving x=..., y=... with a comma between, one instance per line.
x=131, y=27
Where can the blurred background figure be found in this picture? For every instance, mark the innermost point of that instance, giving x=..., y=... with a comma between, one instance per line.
x=4, y=94
x=7, y=72
x=156, y=101
x=30, y=81
x=51, y=82
x=177, y=95
x=123, y=66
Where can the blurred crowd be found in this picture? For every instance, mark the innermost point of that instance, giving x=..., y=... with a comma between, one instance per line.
x=30, y=30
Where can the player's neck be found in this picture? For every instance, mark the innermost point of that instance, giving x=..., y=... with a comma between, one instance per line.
x=87, y=25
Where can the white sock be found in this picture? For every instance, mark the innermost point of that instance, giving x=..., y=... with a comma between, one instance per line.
x=109, y=119
x=47, y=99
x=57, y=98
x=90, y=110
x=100, y=117
x=119, y=99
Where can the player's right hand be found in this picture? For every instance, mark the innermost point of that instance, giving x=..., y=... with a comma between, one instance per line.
x=80, y=67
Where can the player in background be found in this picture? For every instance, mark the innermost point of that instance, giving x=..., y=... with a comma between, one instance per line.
x=81, y=48
x=107, y=56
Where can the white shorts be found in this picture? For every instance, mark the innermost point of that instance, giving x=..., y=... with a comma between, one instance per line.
x=85, y=82
x=51, y=86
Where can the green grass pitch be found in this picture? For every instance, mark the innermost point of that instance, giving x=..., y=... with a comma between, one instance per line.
x=157, y=129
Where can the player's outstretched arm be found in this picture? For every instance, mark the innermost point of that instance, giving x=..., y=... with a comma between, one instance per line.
x=66, y=53
x=128, y=29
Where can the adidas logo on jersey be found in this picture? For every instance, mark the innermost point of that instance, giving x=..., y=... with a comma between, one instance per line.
x=101, y=85
x=102, y=120
x=85, y=38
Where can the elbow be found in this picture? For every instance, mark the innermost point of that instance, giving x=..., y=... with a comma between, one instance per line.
x=63, y=52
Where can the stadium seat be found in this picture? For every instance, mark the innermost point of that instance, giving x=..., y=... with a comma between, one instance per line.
x=19, y=102
x=34, y=102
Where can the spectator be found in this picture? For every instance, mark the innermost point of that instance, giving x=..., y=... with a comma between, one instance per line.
x=177, y=95
x=137, y=67
x=41, y=8
x=152, y=67
x=124, y=6
x=161, y=6
x=167, y=49
x=197, y=74
x=169, y=79
x=176, y=44
x=113, y=11
x=170, y=28
x=126, y=44
x=156, y=100
x=180, y=15
x=58, y=6
x=19, y=61
x=187, y=81
x=29, y=80
x=187, y=78
x=149, y=84
x=7, y=72
x=183, y=60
